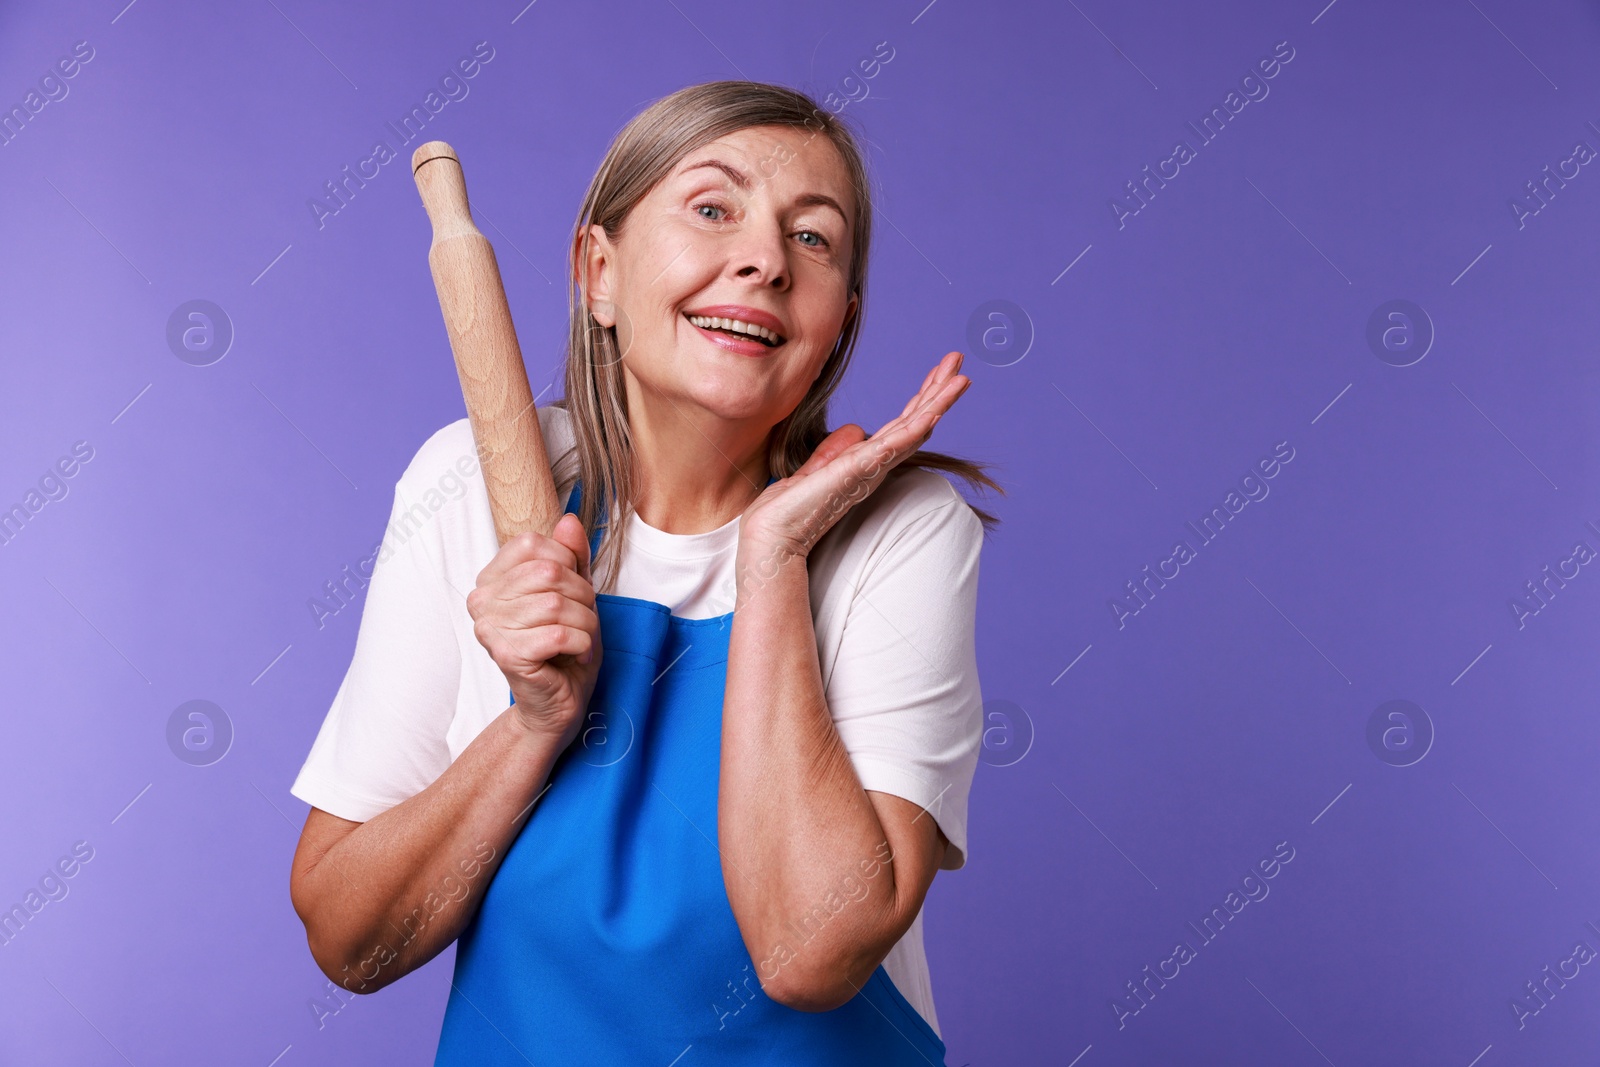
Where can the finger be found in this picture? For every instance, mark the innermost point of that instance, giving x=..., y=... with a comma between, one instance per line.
x=931, y=384
x=942, y=369
x=873, y=457
x=523, y=547
x=517, y=551
x=954, y=386
x=538, y=610
x=901, y=436
x=543, y=576
x=514, y=645
x=921, y=424
x=570, y=533
x=540, y=645
x=921, y=395
x=938, y=401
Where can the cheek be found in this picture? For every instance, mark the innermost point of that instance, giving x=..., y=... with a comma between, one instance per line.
x=665, y=283
x=672, y=261
x=823, y=316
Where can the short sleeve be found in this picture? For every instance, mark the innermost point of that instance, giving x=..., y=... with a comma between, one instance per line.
x=383, y=740
x=904, y=691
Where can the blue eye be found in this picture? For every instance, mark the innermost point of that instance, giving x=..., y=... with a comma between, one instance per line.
x=821, y=241
x=701, y=209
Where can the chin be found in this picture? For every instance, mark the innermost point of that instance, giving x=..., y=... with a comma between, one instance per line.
x=728, y=397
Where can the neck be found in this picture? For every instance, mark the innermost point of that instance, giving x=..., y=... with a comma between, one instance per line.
x=693, y=471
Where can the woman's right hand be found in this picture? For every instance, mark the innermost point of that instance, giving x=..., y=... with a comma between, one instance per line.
x=534, y=610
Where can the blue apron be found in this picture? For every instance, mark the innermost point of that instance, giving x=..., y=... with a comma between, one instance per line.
x=606, y=937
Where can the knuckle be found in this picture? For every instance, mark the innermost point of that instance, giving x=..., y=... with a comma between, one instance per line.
x=550, y=640
x=519, y=548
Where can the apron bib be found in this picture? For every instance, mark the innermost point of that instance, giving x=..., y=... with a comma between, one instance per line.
x=606, y=937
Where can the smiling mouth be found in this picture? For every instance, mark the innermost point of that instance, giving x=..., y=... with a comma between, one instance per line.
x=737, y=328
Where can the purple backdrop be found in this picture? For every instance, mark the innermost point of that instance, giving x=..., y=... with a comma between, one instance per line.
x=1376, y=258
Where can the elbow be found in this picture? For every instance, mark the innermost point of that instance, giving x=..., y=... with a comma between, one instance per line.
x=335, y=928
x=341, y=961
x=335, y=955
x=344, y=969
x=818, y=987
x=827, y=973
x=811, y=996
x=332, y=958
x=331, y=961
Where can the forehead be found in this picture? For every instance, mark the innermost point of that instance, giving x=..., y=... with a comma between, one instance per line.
x=789, y=162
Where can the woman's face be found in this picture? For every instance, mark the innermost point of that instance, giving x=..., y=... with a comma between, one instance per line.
x=753, y=227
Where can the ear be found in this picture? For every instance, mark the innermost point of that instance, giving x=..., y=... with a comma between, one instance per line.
x=850, y=311
x=597, y=270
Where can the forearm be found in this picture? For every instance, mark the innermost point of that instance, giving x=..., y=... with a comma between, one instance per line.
x=794, y=823
x=388, y=895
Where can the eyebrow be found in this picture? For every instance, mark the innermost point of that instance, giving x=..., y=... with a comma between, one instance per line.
x=742, y=182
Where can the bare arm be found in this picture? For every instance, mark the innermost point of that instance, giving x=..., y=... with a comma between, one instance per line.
x=824, y=876
x=380, y=898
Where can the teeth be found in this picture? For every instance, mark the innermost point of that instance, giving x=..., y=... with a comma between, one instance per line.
x=711, y=322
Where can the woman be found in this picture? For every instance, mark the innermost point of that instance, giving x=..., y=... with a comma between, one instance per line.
x=744, y=709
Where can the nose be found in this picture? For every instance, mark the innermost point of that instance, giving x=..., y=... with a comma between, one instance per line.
x=760, y=256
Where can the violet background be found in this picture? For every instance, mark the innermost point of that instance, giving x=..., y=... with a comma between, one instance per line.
x=1228, y=715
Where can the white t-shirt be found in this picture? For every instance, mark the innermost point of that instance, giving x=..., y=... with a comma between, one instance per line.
x=893, y=587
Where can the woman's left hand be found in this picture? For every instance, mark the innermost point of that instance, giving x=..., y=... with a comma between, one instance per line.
x=791, y=515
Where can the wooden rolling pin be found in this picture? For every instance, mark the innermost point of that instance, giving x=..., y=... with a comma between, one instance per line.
x=494, y=382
